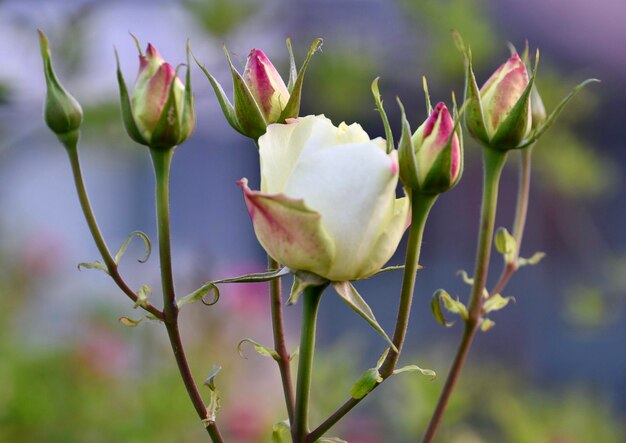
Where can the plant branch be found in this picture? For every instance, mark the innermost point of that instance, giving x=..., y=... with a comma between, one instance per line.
x=493, y=163
x=109, y=261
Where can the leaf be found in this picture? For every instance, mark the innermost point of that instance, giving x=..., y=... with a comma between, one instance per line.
x=486, y=324
x=130, y=322
x=414, y=368
x=301, y=281
x=383, y=115
x=366, y=382
x=435, y=307
x=536, y=258
x=262, y=350
x=470, y=281
x=98, y=265
x=199, y=294
x=382, y=358
x=506, y=245
x=214, y=395
x=349, y=294
x=451, y=305
x=281, y=432
x=496, y=302
x=331, y=440
x=142, y=296
x=122, y=250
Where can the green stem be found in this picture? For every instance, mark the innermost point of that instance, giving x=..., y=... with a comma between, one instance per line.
x=420, y=208
x=311, y=301
x=280, y=346
x=109, y=261
x=493, y=163
x=162, y=160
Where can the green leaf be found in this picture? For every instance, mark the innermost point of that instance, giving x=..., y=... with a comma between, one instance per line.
x=535, y=259
x=301, y=281
x=349, y=294
x=486, y=324
x=414, y=368
x=506, y=245
x=435, y=307
x=450, y=304
x=199, y=294
x=292, y=108
x=281, y=432
x=142, y=296
x=214, y=395
x=555, y=113
x=406, y=154
x=366, y=382
x=227, y=108
x=98, y=265
x=130, y=322
x=496, y=302
x=383, y=115
x=262, y=350
x=122, y=250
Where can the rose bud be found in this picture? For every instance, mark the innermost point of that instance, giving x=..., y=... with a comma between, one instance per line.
x=327, y=203
x=62, y=112
x=260, y=94
x=160, y=112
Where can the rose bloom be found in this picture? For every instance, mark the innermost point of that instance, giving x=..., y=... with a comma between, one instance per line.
x=328, y=202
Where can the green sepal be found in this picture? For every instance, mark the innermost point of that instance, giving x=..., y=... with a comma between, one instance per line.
x=535, y=259
x=393, y=268
x=429, y=106
x=441, y=297
x=188, y=114
x=414, y=368
x=127, y=111
x=506, y=245
x=249, y=116
x=496, y=302
x=227, y=108
x=264, y=351
x=142, y=296
x=383, y=115
x=97, y=265
x=281, y=432
x=555, y=113
x=366, y=382
x=406, y=154
x=474, y=116
x=512, y=130
x=62, y=112
x=214, y=395
x=293, y=70
x=122, y=250
x=353, y=299
x=301, y=281
x=292, y=108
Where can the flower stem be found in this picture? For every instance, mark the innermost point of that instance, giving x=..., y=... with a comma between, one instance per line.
x=109, y=261
x=280, y=346
x=493, y=163
x=162, y=159
x=420, y=208
x=311, y=301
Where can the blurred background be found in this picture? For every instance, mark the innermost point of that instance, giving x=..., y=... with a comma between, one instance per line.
x=552, y=370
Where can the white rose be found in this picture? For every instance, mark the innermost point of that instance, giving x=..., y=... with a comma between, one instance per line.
x=327, y=203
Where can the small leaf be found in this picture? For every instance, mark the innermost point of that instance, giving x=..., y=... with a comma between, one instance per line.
x=451, y=305
x=414, y=368
x=349, y=294
x=151, y=316
x=382, y=358
x=496, y=302
x=262, y=350
x=122, y=250
x=281, y=432
x=142, y=296
x=98, y=265
x=130, y=322
x=294, y=354
x=486, y=324
x=366, y=382
x=214, y=395
x=435, y=307
x=470, y=281
x=383, y=115
x=301, y=281
x=536, y=258
x=506, y=245
x=199, y=294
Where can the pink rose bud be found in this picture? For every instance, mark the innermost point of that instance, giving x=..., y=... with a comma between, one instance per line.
x=160, y=111
x=266, y=85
